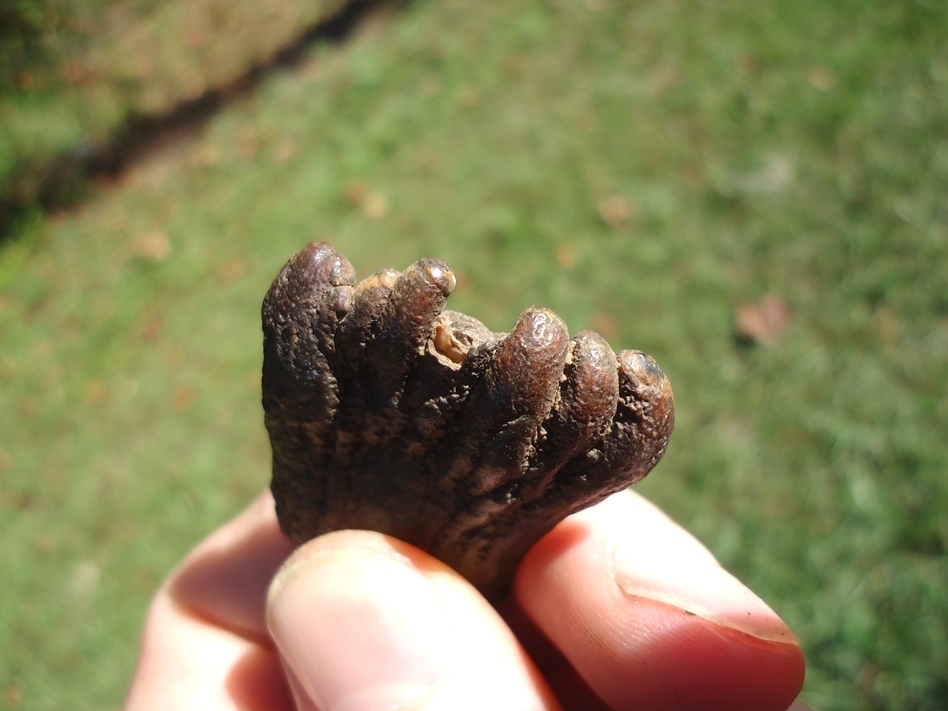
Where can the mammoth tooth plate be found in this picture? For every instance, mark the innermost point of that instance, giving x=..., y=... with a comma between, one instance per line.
x=387, y=412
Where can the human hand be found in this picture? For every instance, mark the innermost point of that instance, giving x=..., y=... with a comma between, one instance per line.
x=617, y=608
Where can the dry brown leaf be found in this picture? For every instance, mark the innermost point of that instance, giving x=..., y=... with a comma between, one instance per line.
x=617, y=211
x=182, y=398
x=566, y=255
x=371, y=203
x=152, y=327
x=153, y=246
x=763, y=321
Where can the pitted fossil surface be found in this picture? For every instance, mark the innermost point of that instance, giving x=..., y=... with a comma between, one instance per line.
x=386, y=412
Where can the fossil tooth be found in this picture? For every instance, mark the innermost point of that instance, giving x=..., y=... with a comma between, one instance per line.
x=387, y=412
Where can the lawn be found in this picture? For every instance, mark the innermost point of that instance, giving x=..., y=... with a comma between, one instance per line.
x=753, y=193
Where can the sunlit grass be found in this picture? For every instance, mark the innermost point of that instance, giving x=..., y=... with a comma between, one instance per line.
x=75, y=75
x=645, y=170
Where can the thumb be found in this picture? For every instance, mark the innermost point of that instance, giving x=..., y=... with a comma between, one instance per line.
x=364, y=621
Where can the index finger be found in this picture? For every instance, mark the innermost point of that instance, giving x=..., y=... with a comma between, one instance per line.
x=205, y=644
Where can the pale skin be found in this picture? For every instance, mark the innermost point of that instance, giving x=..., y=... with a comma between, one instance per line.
x=617, y=608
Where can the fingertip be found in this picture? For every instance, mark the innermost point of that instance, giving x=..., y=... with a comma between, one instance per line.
x=225, y=578
x=187, y=661
x=358, y=627
x=364, y=621
x=643, y=611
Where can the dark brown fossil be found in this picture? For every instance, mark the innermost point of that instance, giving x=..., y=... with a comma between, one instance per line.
x=386, y=412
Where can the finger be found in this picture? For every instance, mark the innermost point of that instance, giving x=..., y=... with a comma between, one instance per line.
x=364, y=621
x=188, y=662
x=646, y=617
x=205, y=644
x=225, y=578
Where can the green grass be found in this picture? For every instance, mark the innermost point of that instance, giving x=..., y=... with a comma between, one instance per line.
x=795, y=149
x=76, y=74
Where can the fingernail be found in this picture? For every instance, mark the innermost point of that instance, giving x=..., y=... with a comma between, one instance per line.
x=694, y=582
x=359, y=629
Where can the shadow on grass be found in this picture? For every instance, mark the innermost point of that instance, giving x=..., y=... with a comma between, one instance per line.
x=64, y=180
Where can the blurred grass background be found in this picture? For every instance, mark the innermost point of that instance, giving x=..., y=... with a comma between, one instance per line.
x=753, y=193
x=79, y=79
